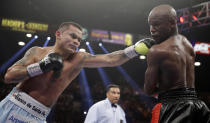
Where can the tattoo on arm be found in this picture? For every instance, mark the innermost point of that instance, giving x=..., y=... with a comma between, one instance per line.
x=29, y=53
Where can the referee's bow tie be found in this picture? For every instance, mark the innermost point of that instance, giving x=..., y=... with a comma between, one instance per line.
x=114, y=105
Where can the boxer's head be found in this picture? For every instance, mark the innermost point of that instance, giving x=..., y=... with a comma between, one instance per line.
x=113, y=93
x=163, y=22
x=68, y=36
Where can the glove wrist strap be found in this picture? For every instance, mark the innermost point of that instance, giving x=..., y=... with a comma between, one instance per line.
x=34, y=69
x=130, y=52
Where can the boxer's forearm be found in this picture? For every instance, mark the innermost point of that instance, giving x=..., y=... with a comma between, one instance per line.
x=18, y=71
x=16, y=74
x=117, y=58
x=106, y=60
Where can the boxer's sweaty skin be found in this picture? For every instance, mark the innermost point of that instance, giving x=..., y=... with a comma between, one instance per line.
x=45, y=88
x=170, y=72
x=171, y=61
x=170, y=65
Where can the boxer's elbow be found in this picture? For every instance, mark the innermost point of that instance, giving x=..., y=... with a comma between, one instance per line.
x=8, y=78
x=11, y=77
x=15, y=74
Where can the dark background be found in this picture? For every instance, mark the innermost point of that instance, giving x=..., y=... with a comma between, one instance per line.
x=129, y=16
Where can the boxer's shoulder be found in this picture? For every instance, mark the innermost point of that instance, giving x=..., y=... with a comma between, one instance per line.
x=36, y=53
x=35, y=49
x=40, y=50
x=158, y=50
x=159, y=53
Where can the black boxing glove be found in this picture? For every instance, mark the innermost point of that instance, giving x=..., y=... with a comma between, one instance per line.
x=52, y=61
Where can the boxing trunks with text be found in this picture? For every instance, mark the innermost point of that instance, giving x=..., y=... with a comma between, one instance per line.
x=19, y=107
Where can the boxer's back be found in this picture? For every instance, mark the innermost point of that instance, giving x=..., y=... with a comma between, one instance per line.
x=176, y=66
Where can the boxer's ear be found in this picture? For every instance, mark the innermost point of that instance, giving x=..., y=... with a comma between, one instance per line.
x=57, y=34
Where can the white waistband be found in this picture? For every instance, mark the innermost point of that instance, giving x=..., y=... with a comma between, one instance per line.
x=29, y=104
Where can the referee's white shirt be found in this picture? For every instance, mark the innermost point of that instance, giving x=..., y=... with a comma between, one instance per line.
x=103, y=112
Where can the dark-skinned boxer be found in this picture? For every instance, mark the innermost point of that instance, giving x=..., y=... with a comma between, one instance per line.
x=170, y=72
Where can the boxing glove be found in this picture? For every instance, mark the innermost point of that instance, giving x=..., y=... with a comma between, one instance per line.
x=141, y=47
x=52, y=61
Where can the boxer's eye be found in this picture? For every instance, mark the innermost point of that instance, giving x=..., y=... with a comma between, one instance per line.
x=74, y=36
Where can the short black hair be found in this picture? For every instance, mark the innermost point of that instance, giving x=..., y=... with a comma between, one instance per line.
x=111, y=86
x=65, y=25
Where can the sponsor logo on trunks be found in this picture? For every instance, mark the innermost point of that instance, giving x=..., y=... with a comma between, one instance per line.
x=38, y=110
x=18, y=98
x=16, y=120
x=29, y=105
